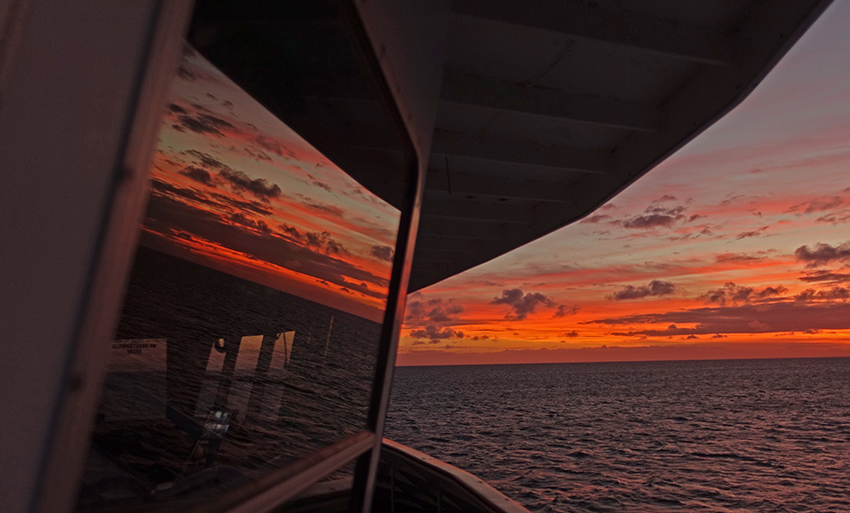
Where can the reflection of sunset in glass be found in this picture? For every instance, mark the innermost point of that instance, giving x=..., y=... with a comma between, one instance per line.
x=735, y=247
x=235, y=189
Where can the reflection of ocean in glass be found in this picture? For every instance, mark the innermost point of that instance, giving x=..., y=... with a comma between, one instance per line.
x=215, y=380
x=250, y=328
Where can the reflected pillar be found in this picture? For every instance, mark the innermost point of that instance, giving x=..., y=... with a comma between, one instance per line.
x=231, y=352
x=264, y=361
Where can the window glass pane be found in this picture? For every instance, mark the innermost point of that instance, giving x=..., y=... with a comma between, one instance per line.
x=253, y=314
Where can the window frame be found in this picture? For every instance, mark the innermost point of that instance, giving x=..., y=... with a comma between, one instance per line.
x=167, y=30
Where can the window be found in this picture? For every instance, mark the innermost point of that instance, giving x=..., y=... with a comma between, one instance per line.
x=252, y=320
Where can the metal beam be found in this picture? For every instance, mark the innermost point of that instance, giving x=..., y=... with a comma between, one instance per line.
x=764, y=38
x=531, y=99
x=531, y=154
x=465, y=185
x=445, y=206
x=439, y=256
x=429, y=268
x=439, y=243
x=631, y=29
x=456, y=228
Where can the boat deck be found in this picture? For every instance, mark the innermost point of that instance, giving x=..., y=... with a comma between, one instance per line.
x=408, y=482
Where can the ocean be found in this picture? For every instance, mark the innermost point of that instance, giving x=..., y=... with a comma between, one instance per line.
x=721, y=436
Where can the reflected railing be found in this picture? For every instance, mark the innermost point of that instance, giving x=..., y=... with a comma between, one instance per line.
x=209, y=410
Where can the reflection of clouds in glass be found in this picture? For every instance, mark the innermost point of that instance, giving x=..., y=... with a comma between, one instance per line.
x=233, y=187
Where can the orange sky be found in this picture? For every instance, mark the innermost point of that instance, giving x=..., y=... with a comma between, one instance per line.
x=735, y=247
x=234, y=188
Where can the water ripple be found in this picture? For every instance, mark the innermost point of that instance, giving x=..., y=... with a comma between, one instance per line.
x=728, y=436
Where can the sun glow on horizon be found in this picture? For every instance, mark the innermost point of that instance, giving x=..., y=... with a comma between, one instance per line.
x=735, y=247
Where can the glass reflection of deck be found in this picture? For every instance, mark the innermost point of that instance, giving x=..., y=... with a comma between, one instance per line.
x=215, y=380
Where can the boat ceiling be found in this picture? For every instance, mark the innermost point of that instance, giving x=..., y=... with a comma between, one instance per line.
x=549, y=108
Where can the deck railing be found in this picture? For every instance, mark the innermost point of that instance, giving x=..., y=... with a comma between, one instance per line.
x=410, y=481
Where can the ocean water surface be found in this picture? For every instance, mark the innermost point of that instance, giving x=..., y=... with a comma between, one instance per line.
x=731, y=435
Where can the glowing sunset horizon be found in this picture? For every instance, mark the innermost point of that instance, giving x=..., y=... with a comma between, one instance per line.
x=735, y=247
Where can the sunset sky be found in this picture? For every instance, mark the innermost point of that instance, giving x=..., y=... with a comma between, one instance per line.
x=234, y=188
x=736, y=247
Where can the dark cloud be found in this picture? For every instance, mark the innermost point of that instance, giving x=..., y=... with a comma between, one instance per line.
x=659, y=214
x=418, y=313
x=650, y=221
x=655, y=288
x=779, y=317
x=217, y=200
x=255, y=224
x=835, y=293
x=570, y=334
x=752, y=233
x=382, y=253
x=736, y=294
x=206, y=160
x=168, y=215
x=826, y=276
x=172, y=107
x=565, y=310
x=598, y=218
x=158, y=187
x=839, y=217
x=362, y=288
x=325, y=209
x=186, y=73
x=738, y=257
x=818, y=205
x=324, y=242
x=521, y=305
x=257, y=154
x=321, y=184
x=202, y=123
x=430, y=319
x=197, y=174
x=435, y=333
x=771, y=292
x=666, y=197
x=291, y=232
x=822, y=253
x=245, y=205
x=732, y=199
x=274, y=146
x=258, y=187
